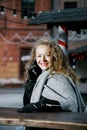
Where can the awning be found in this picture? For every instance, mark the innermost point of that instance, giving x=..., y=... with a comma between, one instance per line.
x=73, y=18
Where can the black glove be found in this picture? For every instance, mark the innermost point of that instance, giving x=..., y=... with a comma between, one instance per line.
x=34, y=71
x=38, y=106
x=24, y=109
x=20, y=110
x=27, y=108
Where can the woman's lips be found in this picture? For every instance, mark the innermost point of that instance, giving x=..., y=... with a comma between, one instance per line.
x=43, y=64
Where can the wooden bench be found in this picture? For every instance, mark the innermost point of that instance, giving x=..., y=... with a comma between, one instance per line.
x=57, y=120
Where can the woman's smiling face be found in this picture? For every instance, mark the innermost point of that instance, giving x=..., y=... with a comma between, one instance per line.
x=43, y=57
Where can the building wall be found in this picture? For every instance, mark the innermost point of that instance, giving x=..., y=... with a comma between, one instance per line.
x=16, y=34
x=81, y=68
x=8, y=61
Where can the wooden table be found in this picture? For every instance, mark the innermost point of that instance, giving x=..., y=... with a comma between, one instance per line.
x=58, y=120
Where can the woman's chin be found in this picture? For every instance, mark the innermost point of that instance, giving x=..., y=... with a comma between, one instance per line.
x=44, y=69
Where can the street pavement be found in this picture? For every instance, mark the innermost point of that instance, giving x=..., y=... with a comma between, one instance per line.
x=11, y=97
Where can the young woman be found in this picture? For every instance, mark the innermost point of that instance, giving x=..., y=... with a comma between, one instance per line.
x=51, y=84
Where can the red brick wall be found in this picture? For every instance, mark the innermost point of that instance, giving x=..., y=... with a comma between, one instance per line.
x=42, y=5
x=9, y=26
x=8, y=61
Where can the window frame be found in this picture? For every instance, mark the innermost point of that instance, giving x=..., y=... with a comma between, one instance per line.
x=27, y=7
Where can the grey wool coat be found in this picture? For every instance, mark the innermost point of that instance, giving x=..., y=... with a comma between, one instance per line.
x=59, y=88
x=65, y=92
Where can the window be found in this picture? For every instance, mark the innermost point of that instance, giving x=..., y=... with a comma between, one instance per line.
x=27, y=7
x=70, y=5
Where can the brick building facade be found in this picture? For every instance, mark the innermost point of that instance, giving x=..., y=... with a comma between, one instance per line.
x=17, y=37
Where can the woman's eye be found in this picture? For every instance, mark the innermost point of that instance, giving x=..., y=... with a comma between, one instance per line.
x=48, y=54
x=39, y=56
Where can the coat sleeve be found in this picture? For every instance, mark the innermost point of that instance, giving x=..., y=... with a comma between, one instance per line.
x=58, y=88
x=42, y=105
x=28, y=88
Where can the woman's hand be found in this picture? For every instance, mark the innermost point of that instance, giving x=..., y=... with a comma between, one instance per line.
x=34, y=71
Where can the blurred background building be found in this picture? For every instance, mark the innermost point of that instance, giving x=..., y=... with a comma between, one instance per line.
x=17, y=37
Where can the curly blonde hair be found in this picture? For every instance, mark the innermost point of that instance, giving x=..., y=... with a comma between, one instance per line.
x=60, y=63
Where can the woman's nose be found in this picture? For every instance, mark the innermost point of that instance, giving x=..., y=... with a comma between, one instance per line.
x=43, y=58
